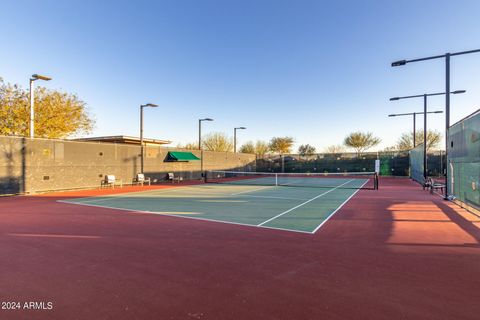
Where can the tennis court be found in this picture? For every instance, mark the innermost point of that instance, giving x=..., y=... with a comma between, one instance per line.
x=291, y=202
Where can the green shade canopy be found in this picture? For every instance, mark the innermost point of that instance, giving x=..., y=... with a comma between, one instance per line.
x=181, y=156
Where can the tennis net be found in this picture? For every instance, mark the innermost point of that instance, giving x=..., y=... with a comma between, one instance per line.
x=343, y=180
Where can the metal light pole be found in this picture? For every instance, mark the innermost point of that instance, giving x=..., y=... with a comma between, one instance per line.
x=32, y=101
x=148, y=105
x=200, y=142
x=200, y=131
x=414, y=130
x=447, y=96
x=424, y=96
x=414, y=114
x=425, y=137
x=235, y=137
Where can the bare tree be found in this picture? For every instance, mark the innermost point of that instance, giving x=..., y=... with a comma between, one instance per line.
x=406, y=140
x=335, y=148
x=217, y=141
x=188, y=146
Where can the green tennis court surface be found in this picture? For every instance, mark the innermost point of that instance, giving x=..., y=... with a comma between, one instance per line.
x=300, y=209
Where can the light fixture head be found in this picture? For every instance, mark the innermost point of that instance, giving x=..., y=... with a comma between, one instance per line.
x=40, y=77
x=459, y=91
x=394, y=98
x=399, y=63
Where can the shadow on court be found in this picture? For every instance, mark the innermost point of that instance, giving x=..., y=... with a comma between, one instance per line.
x=395, y=253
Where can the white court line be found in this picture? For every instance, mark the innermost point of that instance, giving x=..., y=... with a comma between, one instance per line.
x=162, y=191
x=125, y=195
x=292, y=183
x=221, y=221
x=227, y=222
x=335, y=211
x=181, y=216
x=100, y=198
x=100, y=206
x=270, y=197
x=303, y=203
x=251, y=190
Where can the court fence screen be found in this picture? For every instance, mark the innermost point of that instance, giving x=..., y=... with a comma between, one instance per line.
x=464, y=160
x=416, y=164
x=392, y=163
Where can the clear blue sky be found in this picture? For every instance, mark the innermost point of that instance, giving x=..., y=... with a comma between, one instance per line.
x=313, y=70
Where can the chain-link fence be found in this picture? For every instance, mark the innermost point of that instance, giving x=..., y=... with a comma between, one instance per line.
x=464, y=160
x=391, y=163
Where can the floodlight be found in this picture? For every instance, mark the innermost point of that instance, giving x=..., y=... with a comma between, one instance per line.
x=40, y=77
x=399, y=63
x=151, y=105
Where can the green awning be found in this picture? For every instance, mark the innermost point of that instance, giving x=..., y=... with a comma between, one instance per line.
x=181, y=156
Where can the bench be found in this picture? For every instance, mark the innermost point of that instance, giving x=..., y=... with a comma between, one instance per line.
x=140, y=179
x=432, y=185
x=111, y=181
x=171, y=176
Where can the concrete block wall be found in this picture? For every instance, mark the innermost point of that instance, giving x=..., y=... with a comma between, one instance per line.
x=28, y=166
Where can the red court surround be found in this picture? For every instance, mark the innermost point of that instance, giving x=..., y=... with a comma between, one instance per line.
x=395, y=253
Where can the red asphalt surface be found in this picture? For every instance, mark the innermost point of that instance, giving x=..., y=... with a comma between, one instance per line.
x=395, y=253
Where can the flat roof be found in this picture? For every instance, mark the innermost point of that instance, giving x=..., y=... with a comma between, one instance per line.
x=125, y=139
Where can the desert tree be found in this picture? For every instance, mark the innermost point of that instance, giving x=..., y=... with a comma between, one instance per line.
x=261, y=147
x=57, y=114
x=306, y=150
x=247, y=147
x=281, y=145
x=361, y=141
